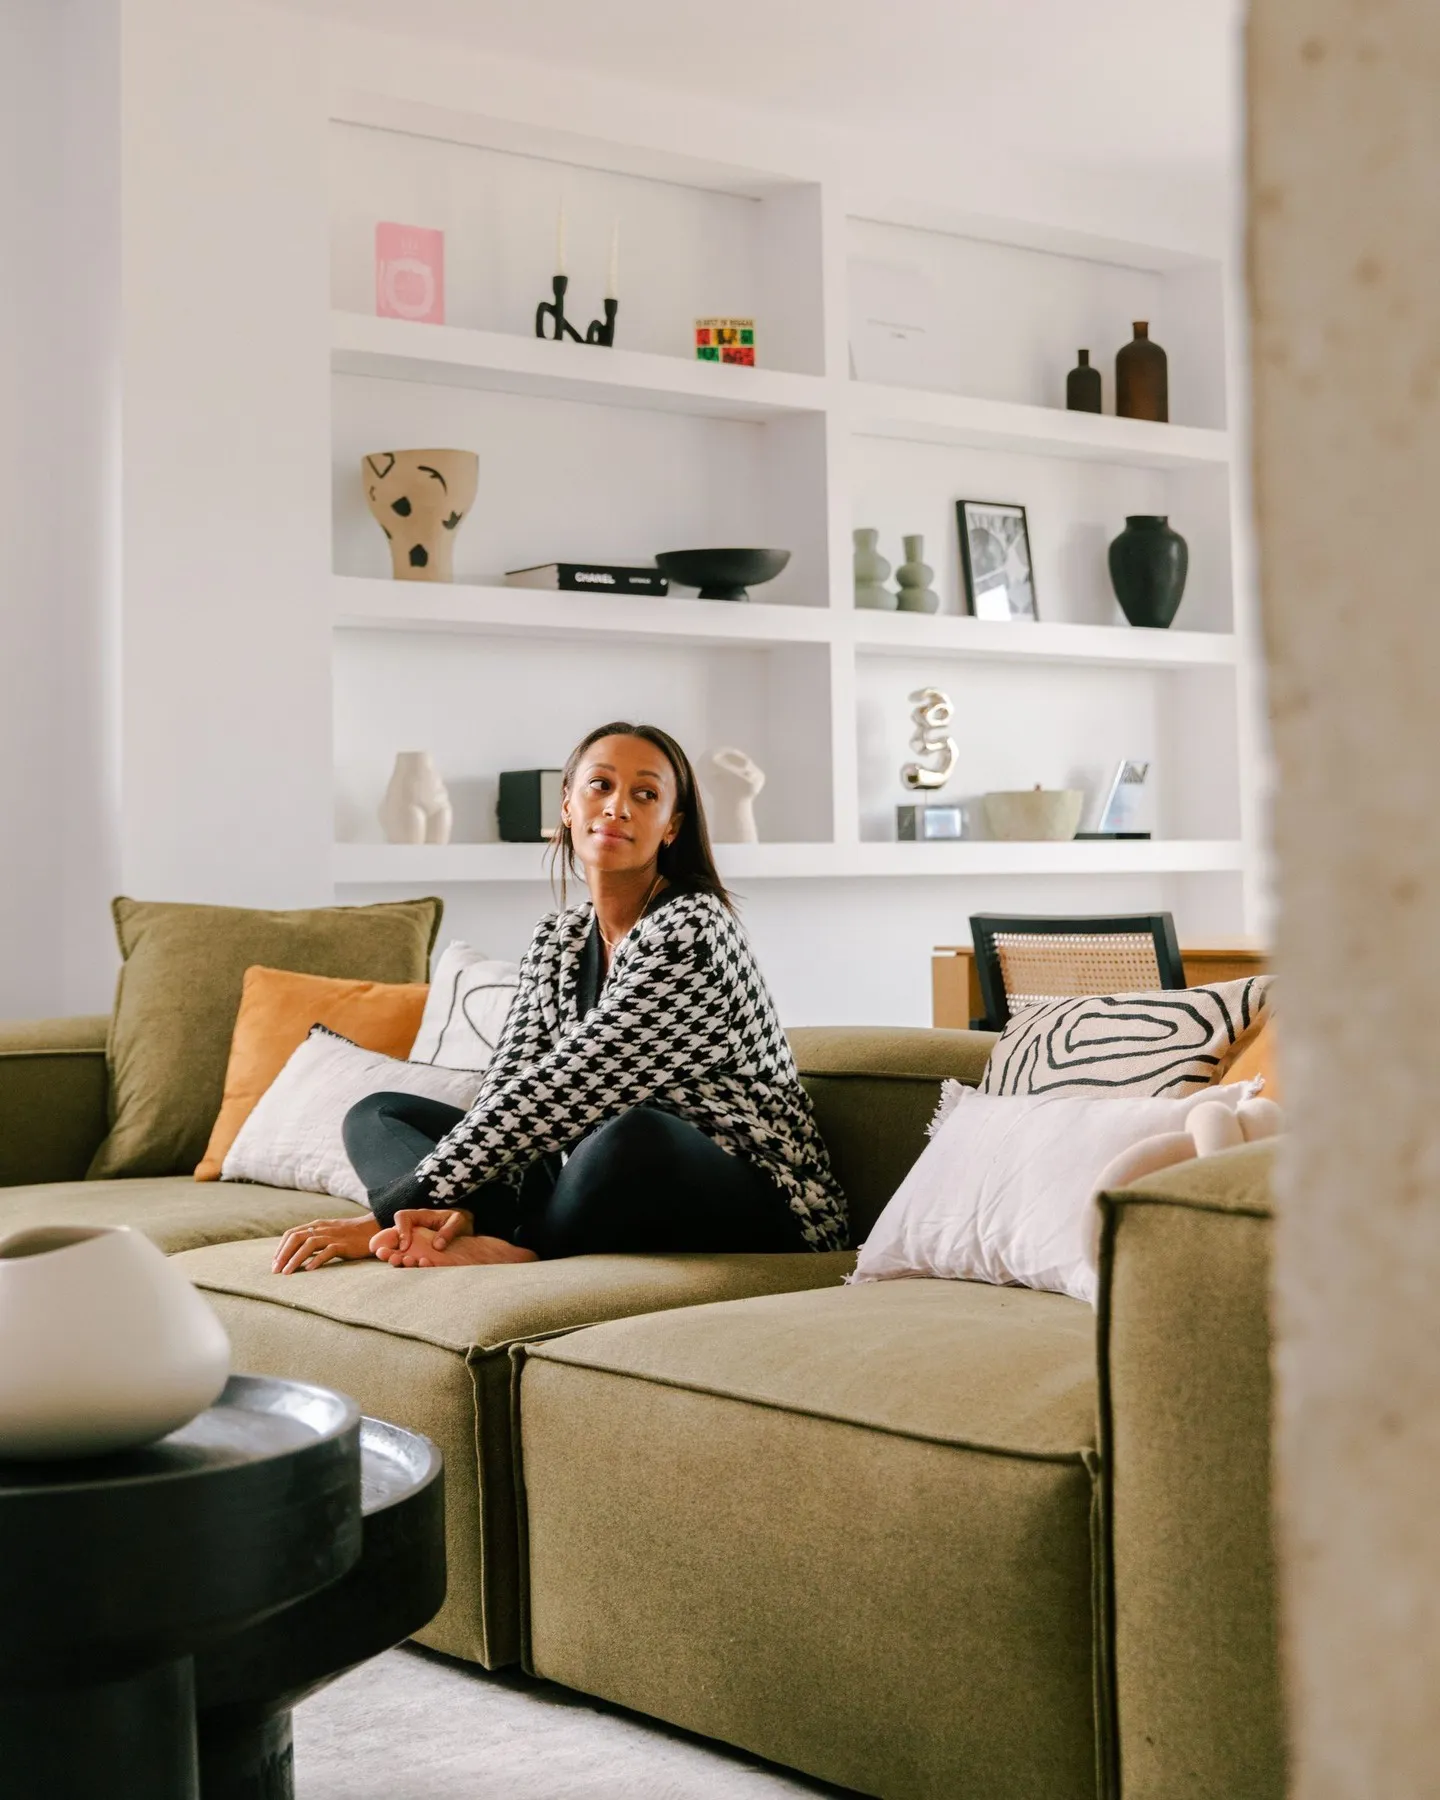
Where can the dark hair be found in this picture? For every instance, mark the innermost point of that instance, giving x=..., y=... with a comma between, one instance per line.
x=688, y=863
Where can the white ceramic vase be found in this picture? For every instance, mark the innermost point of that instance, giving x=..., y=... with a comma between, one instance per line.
x=734, y=780
x=416, y=808
x=104, y=1345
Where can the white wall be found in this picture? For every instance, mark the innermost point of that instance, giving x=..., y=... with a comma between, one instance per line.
x=180, y=677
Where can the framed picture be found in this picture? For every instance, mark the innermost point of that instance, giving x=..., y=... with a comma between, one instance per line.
x=995, y=551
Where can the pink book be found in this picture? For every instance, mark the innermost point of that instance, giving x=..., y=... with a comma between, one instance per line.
x=410, y=273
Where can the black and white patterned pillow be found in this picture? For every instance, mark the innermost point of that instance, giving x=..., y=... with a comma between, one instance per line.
x=1170, y=1043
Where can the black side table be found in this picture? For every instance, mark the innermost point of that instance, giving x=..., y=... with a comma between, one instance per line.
x=118, y=1569
x=246, y=1685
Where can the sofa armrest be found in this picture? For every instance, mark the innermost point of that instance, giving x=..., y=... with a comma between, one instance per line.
x=875, y=1089
x=1184, y=1353
x=54, y=1092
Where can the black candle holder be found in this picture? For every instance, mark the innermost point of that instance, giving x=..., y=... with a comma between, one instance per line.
x=599, y=331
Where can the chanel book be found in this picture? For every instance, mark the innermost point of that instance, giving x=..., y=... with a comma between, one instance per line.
x=590, y=578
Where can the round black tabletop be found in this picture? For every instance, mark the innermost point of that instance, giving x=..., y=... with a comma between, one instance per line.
x=119, y=1568
x=247, y=1683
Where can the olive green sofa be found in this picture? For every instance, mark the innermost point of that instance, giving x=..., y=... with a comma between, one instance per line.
x=916, y=1538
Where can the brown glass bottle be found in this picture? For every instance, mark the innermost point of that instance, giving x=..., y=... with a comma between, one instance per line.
x=1082, y=386
x=1142, y=379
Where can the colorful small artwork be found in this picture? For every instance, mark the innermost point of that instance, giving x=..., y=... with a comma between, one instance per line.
x=410, y=273
x=726, y=340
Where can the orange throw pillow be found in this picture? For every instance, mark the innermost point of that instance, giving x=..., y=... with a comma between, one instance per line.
x=277, y=1009
x=1257, y=1057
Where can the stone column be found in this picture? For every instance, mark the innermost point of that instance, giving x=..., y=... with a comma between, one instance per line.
x=1345, y=276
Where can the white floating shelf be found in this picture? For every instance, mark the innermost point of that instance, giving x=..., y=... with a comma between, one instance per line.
x=380, y=604
x=921, y=416
x=452, y=356
x=1124, y=646
x=375, y=865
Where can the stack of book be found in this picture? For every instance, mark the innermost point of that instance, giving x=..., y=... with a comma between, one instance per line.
x=590, y=578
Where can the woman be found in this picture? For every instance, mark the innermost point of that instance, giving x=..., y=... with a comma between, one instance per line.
x=642, y=1096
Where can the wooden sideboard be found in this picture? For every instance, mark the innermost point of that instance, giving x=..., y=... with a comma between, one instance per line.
x=955, y=986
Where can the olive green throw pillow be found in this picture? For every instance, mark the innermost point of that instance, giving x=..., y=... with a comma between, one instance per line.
x=179, y=994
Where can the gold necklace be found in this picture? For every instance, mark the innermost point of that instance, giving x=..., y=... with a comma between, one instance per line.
x=610, y=943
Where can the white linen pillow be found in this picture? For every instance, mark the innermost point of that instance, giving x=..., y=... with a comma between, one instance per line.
x=465, y=1010
x=1005, y=1190
x=293, y=1138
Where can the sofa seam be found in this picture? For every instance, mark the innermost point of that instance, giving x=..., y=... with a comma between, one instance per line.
x=1057, y=1458
x=884, y=1075
x=1180, y=1203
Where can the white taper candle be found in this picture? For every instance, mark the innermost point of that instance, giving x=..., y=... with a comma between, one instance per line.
x=612, y=285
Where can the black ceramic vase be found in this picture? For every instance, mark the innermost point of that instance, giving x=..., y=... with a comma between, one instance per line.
x=1082, y=386
x=1148, y=566
x=1142, y=378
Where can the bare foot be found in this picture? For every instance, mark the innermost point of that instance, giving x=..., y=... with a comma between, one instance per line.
x=422, y=1253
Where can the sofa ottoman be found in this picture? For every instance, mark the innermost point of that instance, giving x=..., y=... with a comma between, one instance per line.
x=429, y=1349
x=849, y=1530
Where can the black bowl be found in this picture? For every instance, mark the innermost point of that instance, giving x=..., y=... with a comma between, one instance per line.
x=722, y=574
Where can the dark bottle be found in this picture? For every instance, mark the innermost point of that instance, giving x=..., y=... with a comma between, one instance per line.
x=1142, y=379
x=1082, y=386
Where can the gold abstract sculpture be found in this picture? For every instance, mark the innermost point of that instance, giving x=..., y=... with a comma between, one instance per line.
x=932, y=713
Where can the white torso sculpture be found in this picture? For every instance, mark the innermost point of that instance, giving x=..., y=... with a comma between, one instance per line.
x=416, y=808
x=734, y=781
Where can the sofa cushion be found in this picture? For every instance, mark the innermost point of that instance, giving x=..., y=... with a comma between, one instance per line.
x=850, y=1530
x=171, y=1211
x=429, y=1349
x=179, y=994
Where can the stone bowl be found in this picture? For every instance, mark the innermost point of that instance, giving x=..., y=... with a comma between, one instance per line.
x=1051, y=815
x=722, y=574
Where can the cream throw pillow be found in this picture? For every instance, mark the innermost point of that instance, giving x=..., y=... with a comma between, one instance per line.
x=293, y=1138
x=465, y=1010
x=1174, y=1041
x=1005, y=1190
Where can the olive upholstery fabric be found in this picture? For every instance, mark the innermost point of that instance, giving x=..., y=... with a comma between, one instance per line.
x=1185, y=1437
x=164, y=1207
x=849, y=1529
x=53, y=1088
x=179, y=994
x=429, y=1349
x=875, y=1089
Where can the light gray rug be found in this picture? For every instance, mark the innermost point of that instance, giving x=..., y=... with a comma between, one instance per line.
x=415, y=1726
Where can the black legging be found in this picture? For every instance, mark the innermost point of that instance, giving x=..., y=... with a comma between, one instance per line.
x=645, y=1180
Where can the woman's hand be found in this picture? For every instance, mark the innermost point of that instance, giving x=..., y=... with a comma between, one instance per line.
x=397, y=1242
x=324, y=1240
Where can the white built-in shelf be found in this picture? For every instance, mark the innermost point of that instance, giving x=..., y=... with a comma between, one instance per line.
x=452, y=356
x=455, y=356
x=922, y=416
x=373, y=865
x=1120, y=646
x=386, y=605
x=377, y=603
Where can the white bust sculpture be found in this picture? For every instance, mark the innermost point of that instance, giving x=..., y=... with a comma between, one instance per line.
x=416, y=807
x=733, y=780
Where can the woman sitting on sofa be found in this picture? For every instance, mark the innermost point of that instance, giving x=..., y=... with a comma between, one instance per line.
x=643, y=1096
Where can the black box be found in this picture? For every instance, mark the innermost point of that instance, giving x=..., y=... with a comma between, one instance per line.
x=529, y=805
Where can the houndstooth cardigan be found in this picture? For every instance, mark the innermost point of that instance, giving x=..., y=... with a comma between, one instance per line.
x=684, y=1023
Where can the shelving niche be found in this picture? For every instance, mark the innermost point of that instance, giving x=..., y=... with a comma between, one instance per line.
x=617, y=454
